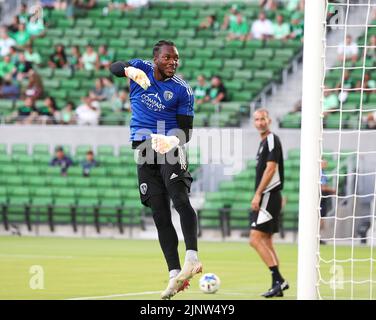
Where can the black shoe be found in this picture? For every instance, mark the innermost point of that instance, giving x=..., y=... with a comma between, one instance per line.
x=322, y=242
x=276, y=290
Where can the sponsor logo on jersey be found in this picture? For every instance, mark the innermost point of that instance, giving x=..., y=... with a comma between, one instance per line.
x=152, y=101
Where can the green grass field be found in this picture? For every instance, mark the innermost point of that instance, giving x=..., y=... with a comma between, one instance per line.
x=135, y=269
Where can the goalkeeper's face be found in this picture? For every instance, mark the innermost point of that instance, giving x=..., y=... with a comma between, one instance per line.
x=167, y=61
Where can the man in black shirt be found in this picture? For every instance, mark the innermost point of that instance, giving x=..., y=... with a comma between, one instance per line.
x=267, y=201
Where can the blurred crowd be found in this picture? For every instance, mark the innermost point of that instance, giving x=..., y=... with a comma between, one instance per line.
x=20, y=62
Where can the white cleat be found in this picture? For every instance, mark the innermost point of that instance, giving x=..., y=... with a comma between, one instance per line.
x=190, y=269
x=173, y=288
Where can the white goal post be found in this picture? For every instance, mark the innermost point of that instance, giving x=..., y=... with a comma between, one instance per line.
x=313, y=74
x=336, y=258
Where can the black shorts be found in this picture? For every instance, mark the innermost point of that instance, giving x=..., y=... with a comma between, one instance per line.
x=155, y=178
x=267, y=219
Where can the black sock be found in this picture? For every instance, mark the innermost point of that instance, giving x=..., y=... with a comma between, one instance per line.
x=188, y=218
x=276, y=276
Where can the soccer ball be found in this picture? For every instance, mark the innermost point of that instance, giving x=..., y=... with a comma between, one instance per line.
x=209, y=283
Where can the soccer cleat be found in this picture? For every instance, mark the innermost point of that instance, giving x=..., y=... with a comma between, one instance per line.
x=173, y=288
x=276, y=290
x=190, y=269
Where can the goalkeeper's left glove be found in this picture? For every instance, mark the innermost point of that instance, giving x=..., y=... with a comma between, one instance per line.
x=163, y=144
x=138, y=76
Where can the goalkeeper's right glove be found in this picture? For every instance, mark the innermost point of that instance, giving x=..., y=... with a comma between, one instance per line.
x=138, y=76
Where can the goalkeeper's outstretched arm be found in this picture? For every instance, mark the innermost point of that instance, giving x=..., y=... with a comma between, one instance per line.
x=124, y=69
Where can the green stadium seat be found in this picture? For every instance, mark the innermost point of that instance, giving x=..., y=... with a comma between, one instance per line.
x=105, y=150
x=65, y=23
x=98, y=172
x=14, y=181
x=80, y=182
x=18, y=199
x=187, y=33
x=52, y=171
x=177, y=24
x=81, y=150
x=3, y=149
x=8, y=169
x=28, y=171
x=60, y=182
x=41, y=149
x=22, y=159
x=36, y=181
x=19, y=148
x=41, y=159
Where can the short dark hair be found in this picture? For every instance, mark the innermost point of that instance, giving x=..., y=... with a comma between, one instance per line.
x=160, y=44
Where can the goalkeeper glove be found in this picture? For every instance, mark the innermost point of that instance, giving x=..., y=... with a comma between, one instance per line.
x=138, y=76
x=163, y=144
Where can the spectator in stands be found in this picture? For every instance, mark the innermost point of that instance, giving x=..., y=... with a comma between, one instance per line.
x=209, y=23
x=348, y=83
x=14, y=26
x=34, y=88
x=121, y=102
x=330, y=100
x=10, y=89
x=371, y=120
x=88, y=164
x=35, y=26
x=104, y=57
x=13, y=53
x=200, y=90
x=61, y=160
x=295, y=5
x=23, y=15
x=369, y=85
x=74, y=58
x=98, y=92
x=58, y=59
x=216, y=92
x=326, y=190
x=22, y=67
x=90, y=58
x=262, y=29
x=268, y=4
x=22, y=37
x=86, y=4
x=371, y=48
x=238, y=28
x=88, y=112
x=349, y=52
x=67, y=115
x=48, y=113
x=134, y=4
x=6, y=42
x=49, y=4
x=297, y=107
x=297, y=27
x=109, y=88
x=7, y=67
x=25, y=113
x=281, y=29
x=32, y=56
x=230, y=17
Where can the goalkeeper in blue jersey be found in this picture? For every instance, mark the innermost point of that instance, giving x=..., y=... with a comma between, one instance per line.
x=161, y=123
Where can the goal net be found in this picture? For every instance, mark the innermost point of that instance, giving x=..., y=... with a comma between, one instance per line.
x=346, y=259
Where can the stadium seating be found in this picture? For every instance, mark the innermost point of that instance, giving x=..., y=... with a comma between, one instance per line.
x=349, y=119
x=230, y=205
x=246, y=67
x=33, y=192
